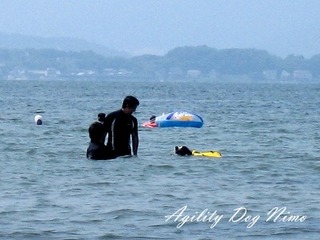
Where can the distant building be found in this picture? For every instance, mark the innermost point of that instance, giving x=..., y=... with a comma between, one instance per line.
x=284, y=75
x=270, y=75
x=175, y=71
x=17, y=74
x=52, y=72
x=302, y=75
x=193, y=73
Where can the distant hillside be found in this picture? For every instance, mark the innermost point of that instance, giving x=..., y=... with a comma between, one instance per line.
x=181, y=63
x=18, y=41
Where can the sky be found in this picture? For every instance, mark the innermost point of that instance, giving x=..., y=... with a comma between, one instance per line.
x=282, y=27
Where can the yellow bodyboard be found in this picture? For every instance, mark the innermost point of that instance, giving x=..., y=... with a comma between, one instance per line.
x=211, y=154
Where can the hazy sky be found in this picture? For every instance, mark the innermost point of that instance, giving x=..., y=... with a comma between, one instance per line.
x=281, y=27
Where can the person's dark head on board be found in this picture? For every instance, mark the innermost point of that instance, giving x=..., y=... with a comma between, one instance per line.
x=152, y=119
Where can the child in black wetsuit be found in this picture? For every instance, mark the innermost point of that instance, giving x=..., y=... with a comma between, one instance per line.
x=97, y=150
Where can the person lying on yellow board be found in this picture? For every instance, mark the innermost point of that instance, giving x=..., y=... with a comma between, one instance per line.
x=185, y=151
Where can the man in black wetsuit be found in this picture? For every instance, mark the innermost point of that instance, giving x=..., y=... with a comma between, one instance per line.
x=120, y=125
x=97, y=150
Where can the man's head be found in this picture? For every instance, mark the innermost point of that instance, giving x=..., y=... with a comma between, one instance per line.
x=130, y=104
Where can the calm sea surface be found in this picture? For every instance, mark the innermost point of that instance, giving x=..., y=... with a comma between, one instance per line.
x=269, y=135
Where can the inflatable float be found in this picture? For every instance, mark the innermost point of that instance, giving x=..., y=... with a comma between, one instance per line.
x=175, y=119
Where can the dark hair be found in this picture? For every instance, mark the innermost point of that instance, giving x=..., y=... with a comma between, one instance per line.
x=96, y=131
x=130, y=101
x=152, y=118
x=101, y=117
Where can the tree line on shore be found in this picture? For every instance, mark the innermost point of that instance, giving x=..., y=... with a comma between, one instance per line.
x=177, y=61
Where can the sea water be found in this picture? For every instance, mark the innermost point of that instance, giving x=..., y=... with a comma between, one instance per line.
x=266, y=185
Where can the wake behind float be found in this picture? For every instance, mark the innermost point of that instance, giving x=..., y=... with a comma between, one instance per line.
x=176, y=119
